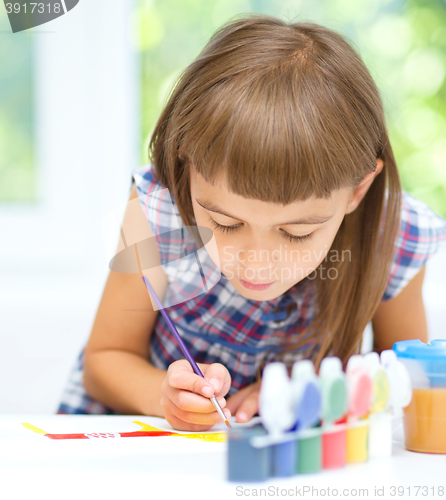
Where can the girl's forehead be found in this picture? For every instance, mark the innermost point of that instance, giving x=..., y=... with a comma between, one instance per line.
x=216, y=197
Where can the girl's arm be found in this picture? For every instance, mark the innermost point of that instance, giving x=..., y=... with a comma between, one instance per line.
x=116, y=370
x=402, y=317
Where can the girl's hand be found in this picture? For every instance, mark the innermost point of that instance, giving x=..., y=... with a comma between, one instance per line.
x=185, y=395
x=245, y=403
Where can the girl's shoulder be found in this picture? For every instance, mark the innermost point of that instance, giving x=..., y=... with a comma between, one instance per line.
x=186, y=263
x=421, y=233
x=172, y=237
x=156, y=200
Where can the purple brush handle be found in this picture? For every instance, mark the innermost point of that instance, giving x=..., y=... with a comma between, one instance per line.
x=183, y=347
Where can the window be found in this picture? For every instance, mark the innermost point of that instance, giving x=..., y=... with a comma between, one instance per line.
x=402, y=43
x=17, y=159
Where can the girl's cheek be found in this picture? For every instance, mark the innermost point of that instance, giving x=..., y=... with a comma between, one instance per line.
x=225, y=250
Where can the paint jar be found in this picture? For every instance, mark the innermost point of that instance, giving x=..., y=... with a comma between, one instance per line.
x=309, y=451
x=245, y=462
x=425, y=417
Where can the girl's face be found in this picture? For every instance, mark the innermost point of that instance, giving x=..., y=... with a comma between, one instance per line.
x=265, y=248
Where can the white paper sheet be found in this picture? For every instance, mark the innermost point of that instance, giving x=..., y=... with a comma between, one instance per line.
x=17, y=441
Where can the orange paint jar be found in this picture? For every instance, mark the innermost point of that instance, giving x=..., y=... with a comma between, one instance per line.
x=425, y=421
x=425, y=417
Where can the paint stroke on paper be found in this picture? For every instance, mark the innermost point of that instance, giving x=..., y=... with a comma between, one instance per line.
x=146, y=430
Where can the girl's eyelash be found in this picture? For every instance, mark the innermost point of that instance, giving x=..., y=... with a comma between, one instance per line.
x=292, y=238
x=224, y=229
x=297, y=239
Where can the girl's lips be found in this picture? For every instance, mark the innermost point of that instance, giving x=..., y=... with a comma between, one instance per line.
x=256, y=286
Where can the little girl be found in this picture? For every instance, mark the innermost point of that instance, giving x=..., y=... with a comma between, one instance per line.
x=274, y=139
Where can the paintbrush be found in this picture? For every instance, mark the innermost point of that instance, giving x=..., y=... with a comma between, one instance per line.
x=183, y=347
x=173, y=329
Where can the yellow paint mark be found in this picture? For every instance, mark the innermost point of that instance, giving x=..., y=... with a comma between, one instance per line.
x=146, y=427
x=32, y=428
x=214, y=437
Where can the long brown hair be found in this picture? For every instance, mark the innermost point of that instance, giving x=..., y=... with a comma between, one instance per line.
x=288, y=111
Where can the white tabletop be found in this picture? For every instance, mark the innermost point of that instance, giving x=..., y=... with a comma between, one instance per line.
x=33, y=466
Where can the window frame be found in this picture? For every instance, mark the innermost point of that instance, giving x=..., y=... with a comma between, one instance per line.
x=86, y=87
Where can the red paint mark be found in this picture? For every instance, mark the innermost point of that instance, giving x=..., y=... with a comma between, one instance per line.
x=109, y=435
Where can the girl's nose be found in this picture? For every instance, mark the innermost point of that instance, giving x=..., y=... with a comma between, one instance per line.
x=257, y=261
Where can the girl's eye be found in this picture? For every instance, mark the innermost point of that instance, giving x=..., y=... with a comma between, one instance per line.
x=224, y=229
x=297, y=239
x=292, y=238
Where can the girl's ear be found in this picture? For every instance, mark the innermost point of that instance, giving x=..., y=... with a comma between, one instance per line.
x=360, y=191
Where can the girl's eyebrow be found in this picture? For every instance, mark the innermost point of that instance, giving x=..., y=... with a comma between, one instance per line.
x=312, y=219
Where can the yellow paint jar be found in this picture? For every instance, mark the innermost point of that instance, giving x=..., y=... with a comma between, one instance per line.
x=357, y=442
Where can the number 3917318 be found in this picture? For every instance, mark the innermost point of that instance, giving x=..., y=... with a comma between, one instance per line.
x=33, y=8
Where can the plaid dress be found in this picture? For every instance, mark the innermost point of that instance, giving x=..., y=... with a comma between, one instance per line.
x=216, y=323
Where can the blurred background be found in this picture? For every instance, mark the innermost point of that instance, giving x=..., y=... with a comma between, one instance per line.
x=79, y=97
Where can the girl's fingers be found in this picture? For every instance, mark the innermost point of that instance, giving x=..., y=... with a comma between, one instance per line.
x=181, y=376
x=186, y=395
x=193, y=417
x=217, y=375
x=233, y=403
x=248, y=408
x=189, y=401
x=180, y=425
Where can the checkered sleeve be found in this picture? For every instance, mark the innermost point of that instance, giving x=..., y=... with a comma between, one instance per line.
x=74, y=400
x=422, y=232
x=160, y=210
x=162, y=213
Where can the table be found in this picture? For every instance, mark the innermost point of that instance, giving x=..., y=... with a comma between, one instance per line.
x=33, y=466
